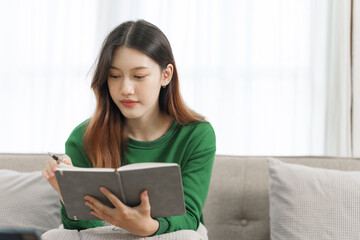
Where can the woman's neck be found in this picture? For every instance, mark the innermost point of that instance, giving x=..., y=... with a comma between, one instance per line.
x=150, y=129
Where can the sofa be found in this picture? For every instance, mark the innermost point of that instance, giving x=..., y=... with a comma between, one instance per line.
x=237, y=206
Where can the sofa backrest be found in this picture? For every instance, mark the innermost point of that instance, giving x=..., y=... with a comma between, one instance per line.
x=237, y=206
x=23, y=162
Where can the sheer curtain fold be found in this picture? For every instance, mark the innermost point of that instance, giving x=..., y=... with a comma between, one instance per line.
x=338, y=117
x=356, y=78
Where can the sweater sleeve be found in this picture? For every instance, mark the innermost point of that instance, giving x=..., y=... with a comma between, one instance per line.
x=196, y=174
x=74, y=149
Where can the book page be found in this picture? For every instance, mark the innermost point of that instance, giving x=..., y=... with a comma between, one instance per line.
x=80, y=169
x=145, y=165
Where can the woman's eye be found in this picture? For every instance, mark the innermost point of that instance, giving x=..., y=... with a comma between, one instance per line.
x=115, y=76
x=139, y=77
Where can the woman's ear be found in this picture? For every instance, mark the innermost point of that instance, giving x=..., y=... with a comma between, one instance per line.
x=167, y=74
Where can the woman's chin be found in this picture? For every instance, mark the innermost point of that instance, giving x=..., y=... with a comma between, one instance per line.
x=130, y=114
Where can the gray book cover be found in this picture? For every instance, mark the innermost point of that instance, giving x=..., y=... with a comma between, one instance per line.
x=162, y=181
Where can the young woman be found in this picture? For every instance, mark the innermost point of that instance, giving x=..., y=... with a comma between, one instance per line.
x=140, y=117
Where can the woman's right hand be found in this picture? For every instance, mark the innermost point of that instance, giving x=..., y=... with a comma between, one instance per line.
x=49, y=171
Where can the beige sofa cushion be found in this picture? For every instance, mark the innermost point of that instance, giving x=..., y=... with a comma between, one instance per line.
x=28, y=201
x=313, y=203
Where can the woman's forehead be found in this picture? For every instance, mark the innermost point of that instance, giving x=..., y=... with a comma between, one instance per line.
x=129, y=59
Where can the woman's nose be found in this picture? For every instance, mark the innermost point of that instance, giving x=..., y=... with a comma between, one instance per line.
x=127, y=88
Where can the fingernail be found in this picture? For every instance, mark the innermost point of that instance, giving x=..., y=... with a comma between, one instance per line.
x=145, y=193
x=102, y=189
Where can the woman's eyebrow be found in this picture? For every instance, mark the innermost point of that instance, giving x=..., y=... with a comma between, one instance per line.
x=135, y=68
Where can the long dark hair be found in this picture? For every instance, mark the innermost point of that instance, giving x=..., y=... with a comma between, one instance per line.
x=105, y=139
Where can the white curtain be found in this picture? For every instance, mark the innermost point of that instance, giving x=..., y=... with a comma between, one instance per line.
x=264, y=73
x=356, y=78
x=47, y=49
x=338, y=118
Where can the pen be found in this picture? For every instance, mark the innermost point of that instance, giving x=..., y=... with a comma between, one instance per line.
x=55, y=157
x=60, y=162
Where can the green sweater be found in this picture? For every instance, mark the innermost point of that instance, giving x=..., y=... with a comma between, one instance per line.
x=192, y=146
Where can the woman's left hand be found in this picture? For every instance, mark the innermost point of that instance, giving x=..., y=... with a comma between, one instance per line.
x=133, y=219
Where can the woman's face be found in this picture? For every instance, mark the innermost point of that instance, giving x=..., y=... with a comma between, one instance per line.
x=134, y=83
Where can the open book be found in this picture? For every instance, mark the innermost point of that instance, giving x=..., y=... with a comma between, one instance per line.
x=162, y=181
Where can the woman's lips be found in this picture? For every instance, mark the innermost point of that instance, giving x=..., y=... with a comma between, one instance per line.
x=128, y=103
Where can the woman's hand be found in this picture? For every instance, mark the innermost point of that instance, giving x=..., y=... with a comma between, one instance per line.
x=133, y=219
x=48, y=172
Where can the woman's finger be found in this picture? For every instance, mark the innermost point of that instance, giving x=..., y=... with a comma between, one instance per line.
x=145, y=202
x=66, y=159
x=49, y=168
x=45, y=174
x=97, y=206
x=101, y=216
x=113, y=199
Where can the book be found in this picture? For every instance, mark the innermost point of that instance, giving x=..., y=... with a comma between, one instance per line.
x=162, y=181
